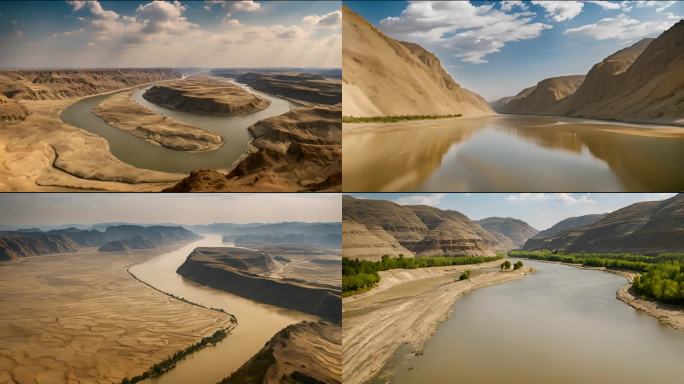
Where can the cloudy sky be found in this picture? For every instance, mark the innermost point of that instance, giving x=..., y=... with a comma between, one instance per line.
x=25, y=209
x=499, y=48
x=170, y=33
x=540, y=210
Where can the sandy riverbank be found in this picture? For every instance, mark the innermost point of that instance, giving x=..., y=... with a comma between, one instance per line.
x=82, y=318
x=121, y=111
x=405, y=308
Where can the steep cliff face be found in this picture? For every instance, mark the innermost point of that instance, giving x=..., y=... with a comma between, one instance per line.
x=37, y=244
x=541, y=98
x=382, y=76
x=510, y=232
x=62, y=84
x=535, y=241
x=157, y=234
x=374, y=228
x=646, y=227
x=302, y=353
x=300, y=150
x=246, y=274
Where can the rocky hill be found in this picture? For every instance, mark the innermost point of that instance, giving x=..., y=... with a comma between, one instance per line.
x=510, y=232
x=300, y=150
x=373, y=228
x=26, y=243
x=541, y=98
x=645, y=227
x=66, y=83
x=384, y=77
x=302, y=353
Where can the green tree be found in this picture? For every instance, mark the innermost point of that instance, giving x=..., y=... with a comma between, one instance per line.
x=505, y=265
x=464, y=276
x=518, y=264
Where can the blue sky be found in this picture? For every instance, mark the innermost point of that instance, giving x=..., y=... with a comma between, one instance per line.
x=498, y=48
x=26, y=209
x=170, y=33
x=540, y=210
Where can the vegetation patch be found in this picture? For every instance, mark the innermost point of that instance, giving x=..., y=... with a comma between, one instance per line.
x=170, y=362
x=254, y=370
x=664, y=282
x=361, y=275
x=628, y=261
x=394, y=119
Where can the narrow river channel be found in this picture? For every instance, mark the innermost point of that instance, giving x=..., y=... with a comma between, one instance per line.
x=257, y=322
x=142, y=154
x=559, y=325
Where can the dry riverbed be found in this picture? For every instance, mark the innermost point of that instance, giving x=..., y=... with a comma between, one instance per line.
x=405, y=308
x=81, y=318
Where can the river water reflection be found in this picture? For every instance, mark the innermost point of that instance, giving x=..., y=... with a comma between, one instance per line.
x=512, y=153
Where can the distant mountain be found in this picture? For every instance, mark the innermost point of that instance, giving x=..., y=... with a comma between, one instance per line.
x=137, y=242
x=563, y=225
x=25, y=243
x=373, y=228
x=322, y=234
x=541, y=98
x=384, y=77
x=647, y=227
x=509, y=231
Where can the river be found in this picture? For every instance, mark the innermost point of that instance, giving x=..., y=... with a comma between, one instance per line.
x=142, y=154
x=257, y=322
x=512, y=153
x=559, y=325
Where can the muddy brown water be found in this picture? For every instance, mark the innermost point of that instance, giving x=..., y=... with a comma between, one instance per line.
x=142, y=154
x=559, y=325
x=511, y=153
x=257, y=322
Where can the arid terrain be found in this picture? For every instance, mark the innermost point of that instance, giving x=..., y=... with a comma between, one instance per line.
x=81, y=318
x=386, y=77
x=296, y=151
x=258, y=276
x=405, y=309
x=640, y=83
x=306, y=352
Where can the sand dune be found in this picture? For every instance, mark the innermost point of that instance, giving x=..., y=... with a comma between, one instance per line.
x=382, y=76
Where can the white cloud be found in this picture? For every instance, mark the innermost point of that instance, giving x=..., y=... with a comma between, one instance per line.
x=561, y=10
x=94, y=7
x=471, y=32
x=329, y=20
x=623, y=27
x=508, y=5
x=565, y=198
x=606, y=4
x=244, y=5
x=431, y=200
x=75, y=32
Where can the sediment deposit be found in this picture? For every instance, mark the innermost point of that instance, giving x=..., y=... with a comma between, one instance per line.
x=121, y=111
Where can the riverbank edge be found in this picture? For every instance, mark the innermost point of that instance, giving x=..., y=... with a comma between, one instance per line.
x=227, y=330
x=657, y=310
x=441, y=312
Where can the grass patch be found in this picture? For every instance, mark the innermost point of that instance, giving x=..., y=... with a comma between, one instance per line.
x=254, y=370
x=394, y=119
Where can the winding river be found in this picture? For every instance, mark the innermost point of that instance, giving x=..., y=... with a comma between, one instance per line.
x=257, y=322
x=512, y=153
x=143, y=154
x=559, y=325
